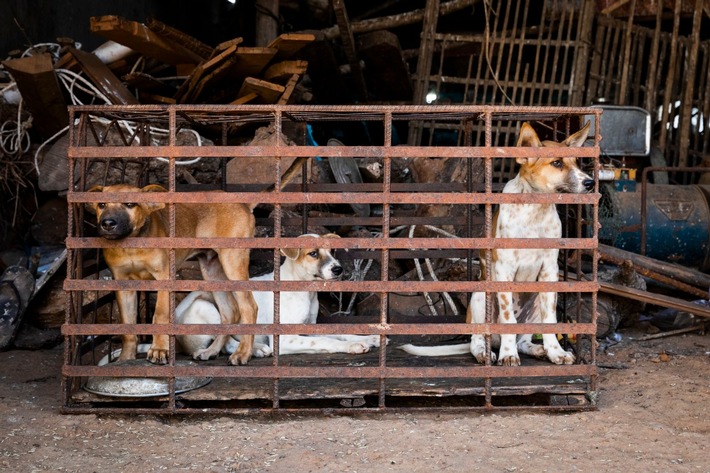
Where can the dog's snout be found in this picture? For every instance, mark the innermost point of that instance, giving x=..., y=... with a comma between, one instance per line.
x=588, y=184
x=337, y=270
x=108, y=224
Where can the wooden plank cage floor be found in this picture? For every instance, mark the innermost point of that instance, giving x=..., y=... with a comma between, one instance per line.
x=117, y=140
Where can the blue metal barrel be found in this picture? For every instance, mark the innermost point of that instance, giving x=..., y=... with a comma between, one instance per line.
x=677, y=222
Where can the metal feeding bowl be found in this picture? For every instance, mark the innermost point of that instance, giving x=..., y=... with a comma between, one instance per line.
x=141, y=387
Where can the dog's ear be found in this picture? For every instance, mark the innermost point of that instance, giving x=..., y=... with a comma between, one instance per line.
x=578, y=138
x=154, y=188
x=153, y=206
x=528, y=137
x=290, y=253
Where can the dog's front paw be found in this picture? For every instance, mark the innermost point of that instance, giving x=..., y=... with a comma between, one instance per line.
x=509, y=360
x=237, y=358
x=374, y=340
x=357, y=348
x=560, y=357
x=158, y=356
x=478, y=350
x=204, y=354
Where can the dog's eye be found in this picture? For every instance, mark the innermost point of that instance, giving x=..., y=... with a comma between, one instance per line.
x=313, y=254
x=558, y=164
x=101, y=206
x=130, y=205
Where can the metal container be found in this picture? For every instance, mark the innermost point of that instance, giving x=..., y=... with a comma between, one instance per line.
x=677, y=223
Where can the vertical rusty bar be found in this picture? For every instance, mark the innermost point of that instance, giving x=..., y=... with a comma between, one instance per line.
x=468, y=126
x=223, y=161
x=488, y=253
x=69, y=309
x=278, y=125
x=595, y=258
x=172, y=133
x=384, y=296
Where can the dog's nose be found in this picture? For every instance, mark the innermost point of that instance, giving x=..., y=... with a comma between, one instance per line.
x=588, y=184
x=337, y=270
x=108, y=224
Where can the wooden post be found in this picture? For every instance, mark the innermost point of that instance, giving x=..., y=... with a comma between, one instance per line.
x=689, y=87
x=626, y=59
x=668, y=89
x=267, y=25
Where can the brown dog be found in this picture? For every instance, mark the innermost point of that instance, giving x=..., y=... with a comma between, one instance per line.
x=117, y=221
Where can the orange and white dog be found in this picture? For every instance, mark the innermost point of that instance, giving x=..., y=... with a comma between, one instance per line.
x=301, y=307
x=536, y=175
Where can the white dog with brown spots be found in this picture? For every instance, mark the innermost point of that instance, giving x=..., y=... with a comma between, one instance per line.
x=301, y=307
x=536, y=175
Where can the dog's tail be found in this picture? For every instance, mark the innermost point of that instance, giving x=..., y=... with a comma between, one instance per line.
x=287, y=177
x=439, y=350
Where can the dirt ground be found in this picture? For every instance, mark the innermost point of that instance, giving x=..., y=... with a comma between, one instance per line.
x=652, y=417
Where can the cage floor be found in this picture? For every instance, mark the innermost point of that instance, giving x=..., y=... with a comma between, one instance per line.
x=235, y=392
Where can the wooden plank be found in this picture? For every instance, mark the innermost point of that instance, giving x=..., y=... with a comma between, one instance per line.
x=289, y=44
x=183, y=39
x=140, y=38
x=40, y=91
x=250, y=61
x=186, y=90
x=103, y=78
x=267, y=91
x=288, y=90
x=226, y=45
x=282, y=71
x=248, y=98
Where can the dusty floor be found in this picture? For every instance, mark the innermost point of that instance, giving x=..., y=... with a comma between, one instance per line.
x=653, y=416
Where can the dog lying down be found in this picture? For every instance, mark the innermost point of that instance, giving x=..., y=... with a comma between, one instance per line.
x=305, y=264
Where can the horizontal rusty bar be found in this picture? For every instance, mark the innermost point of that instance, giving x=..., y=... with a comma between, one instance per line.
x=331, y=198
x=473, y=371
x=325, y=329
x=344, y=243
x=246, y=152
x=336, y=286
x=394, y=110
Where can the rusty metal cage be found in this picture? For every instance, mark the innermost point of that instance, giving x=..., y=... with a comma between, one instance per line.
x=116, y=138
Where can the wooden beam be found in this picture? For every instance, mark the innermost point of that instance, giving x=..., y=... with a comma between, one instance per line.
x=281, y=72
x=266, y=91
x=289, y=44
x=140, y=38
x=267, y=25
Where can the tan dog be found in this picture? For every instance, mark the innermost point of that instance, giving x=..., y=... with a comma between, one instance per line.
x=537, y=175
x=117, y=221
